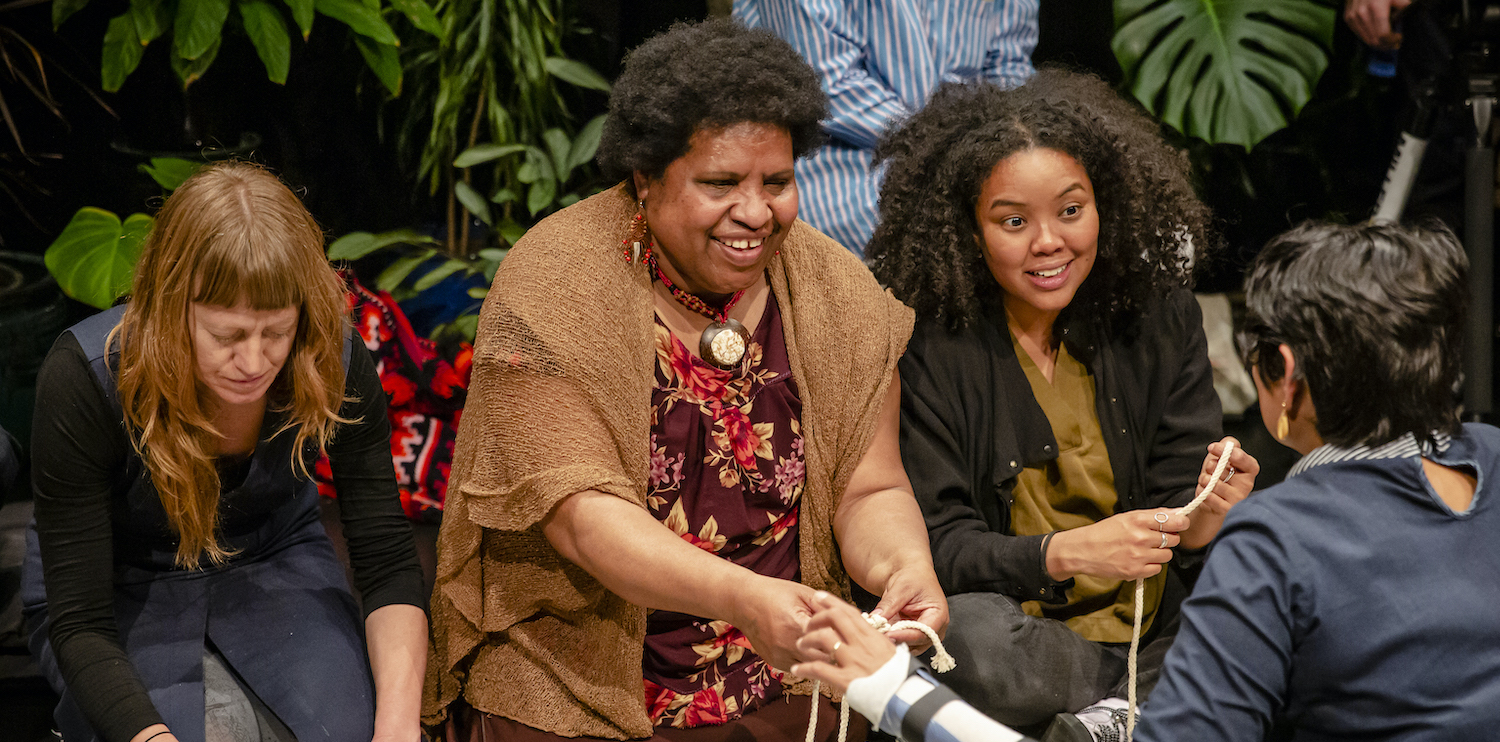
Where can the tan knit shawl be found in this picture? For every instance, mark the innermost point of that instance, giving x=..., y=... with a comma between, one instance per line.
x=559, y=404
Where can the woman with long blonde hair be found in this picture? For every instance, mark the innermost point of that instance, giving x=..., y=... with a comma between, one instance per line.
x=179, y=584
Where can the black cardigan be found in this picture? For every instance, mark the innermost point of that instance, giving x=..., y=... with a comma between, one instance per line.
x=969, y=424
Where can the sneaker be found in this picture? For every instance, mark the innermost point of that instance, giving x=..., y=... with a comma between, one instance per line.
x=1103, y=722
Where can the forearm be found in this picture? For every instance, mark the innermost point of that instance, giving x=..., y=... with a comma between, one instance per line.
x=880, y=534
x=636, y=557
x=397, y=638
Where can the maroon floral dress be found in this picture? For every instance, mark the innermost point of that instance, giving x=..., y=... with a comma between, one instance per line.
x=727, y=473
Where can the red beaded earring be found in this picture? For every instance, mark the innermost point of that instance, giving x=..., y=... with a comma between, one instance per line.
x=634, y=242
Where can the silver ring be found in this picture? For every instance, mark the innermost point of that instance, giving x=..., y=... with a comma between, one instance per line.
x=1161, y=520
x=1163, y=541
x=1229, y=472
x=834, y=653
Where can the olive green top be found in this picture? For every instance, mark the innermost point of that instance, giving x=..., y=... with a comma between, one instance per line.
x=1073, y=490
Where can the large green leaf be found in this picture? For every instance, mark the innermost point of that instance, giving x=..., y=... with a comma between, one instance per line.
x=268, y=34
x=62, y=9
x=1225, y=71
x=302, y=13
x=356, y=245
x=384, y=60
x=94, y=257
x=189, y=70
x=122, y=52
x=473, y=202
x=586, y=144
x=151, y=19
x=576, y=72
x=420, y=14
x=169, y=172
x=360, y=18
x=198, y=26
x=486, y=152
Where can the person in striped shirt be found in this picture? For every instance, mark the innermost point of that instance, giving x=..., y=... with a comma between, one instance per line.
x=879, y=61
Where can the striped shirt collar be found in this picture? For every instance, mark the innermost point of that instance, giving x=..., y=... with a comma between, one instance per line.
x=1405, y=447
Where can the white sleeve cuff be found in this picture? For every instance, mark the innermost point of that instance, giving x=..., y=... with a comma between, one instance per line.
x=869, y=695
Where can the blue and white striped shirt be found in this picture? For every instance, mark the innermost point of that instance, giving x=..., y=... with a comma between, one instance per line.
x=879, y=61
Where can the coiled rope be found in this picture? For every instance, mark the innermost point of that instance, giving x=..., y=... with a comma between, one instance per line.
x=1140, y=585
x=941, y=662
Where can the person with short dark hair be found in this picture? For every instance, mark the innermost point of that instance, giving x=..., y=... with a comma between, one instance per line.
x=1057, y=399
x=1355, y=600
x=682, y=425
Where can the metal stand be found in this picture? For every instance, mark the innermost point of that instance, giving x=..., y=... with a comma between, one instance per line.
x=1479, y=242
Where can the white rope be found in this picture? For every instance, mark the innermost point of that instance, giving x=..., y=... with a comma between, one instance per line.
x=1140, y=585
x=941, y=662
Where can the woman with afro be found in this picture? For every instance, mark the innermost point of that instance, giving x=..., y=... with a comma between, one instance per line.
x=1057, y=399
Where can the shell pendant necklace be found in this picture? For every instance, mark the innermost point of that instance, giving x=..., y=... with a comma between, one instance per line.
x=724, y=342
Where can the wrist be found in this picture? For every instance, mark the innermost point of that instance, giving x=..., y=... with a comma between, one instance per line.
x=1058, y=555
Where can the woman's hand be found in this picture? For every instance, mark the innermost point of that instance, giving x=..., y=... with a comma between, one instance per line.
x=772, y=614
x=1234, y=485
x=1124, y=546
x=913, y=594
x=861, y=650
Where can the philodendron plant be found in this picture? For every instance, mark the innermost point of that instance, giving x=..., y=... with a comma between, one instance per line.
x=94, y=257
x=1224, y=71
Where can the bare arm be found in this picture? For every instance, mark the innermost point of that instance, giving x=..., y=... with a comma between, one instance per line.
x=881, y=534
x=397, y=638
x=636, y=557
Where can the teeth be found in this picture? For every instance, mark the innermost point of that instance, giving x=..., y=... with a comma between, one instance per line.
x=1051, y=273
x=742, y=244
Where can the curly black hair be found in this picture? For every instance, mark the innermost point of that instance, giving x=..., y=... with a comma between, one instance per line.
x=706, y=75
x=925, y=248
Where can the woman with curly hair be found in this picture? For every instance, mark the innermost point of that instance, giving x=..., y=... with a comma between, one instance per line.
x=682, y=425
x=1057, y=400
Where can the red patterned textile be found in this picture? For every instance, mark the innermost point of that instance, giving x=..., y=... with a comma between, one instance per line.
x=727, y=475
x=425, y=395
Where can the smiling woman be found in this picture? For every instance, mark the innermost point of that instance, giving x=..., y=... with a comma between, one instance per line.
x=180, y=585
x=1057, y=397
x=681, y=426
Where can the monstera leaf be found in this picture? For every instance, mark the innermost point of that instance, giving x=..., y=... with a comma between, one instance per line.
x=94, y=257
x=1225, y=71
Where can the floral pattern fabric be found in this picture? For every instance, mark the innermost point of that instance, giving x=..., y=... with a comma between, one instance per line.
x=727, y=473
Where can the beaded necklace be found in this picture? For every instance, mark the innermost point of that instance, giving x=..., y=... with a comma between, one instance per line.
x=725, y=340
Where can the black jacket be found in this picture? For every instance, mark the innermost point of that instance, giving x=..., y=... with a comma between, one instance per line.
x=969, y=424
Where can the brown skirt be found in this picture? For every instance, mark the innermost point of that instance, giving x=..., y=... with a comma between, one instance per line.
x=782, y=720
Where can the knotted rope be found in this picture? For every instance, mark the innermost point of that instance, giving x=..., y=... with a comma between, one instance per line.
x=1140, y=584
x=941, y=662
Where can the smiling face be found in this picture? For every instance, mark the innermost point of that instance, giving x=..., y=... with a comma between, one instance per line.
x=239, y=350
x=1039, y=229
x=720, y=212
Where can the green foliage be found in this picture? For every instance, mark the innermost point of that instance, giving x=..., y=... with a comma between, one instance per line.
x=491, y=94
x=1224, y=71
x=198, y=27
x=93, y=259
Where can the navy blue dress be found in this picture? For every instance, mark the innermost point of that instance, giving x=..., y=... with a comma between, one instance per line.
x=280, y=612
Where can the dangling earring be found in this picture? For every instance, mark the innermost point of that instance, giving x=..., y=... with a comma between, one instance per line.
x=635, y=239
x=1283, y=424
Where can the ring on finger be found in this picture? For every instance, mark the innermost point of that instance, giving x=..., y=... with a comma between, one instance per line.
x=834, y=653
x=1161, y=521
x=1229, y=472
x=1163, y=541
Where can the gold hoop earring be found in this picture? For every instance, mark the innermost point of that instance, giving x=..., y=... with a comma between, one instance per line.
x=1283, y=424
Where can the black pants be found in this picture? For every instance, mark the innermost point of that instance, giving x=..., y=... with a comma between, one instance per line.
x=1022, y=670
